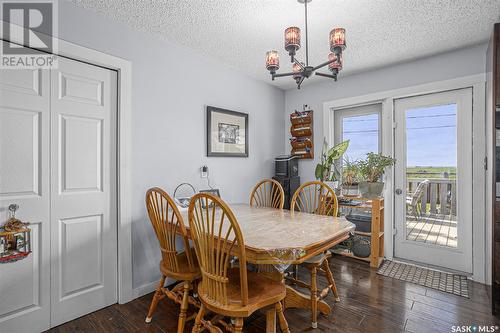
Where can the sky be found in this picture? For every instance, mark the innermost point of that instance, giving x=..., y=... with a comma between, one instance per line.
x=430, y=134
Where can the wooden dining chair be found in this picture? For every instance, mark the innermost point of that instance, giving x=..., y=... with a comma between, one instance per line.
x=175, y=264
x=268, y=193
x=316, y=197
x=227, y=291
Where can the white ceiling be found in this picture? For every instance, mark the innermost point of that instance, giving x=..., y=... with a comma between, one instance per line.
x=378, y=32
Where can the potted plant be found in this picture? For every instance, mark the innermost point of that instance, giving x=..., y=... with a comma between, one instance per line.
x=350, y=177
x=371, y=170
x=326, y=171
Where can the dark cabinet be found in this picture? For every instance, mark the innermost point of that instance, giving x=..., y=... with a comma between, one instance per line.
x=290, y=185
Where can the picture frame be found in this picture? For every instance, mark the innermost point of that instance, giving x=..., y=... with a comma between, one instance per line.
x=227, y=133
x=213, y=191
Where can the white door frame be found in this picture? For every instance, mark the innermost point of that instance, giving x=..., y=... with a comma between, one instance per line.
x=480, y=257
x=124, y=69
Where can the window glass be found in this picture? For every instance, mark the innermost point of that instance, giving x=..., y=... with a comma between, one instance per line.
x=363, y=133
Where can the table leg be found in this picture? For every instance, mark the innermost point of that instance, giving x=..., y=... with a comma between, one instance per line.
x=296, y=299
x=271, y=320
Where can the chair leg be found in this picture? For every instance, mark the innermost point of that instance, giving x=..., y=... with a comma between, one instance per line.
x=238, y=325
x=156, y=298
x=281, y=317
x=314, y=298
x=199, y=317
x=413, y=211
x=184, y=307
x=331, y=280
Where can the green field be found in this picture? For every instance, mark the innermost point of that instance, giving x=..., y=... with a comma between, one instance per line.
x=426, y=172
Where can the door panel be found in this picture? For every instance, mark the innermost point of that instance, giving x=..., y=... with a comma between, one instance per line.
x=26, y=82
x=20, y=157
x=83, y=212
x=24, y=180
x=81, y=255
x=81, y=151
x=433, y=179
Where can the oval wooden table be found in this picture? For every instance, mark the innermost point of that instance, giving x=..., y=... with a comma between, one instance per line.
x=279, y=238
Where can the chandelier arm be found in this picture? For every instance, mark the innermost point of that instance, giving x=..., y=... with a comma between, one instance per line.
x=298, y=63
x=300, y=82
x=327, y=75
x=284, y=74
x=324, y=64
x=307, y=46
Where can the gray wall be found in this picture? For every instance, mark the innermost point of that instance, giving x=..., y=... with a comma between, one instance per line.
x=170, y=89
x=446, y=66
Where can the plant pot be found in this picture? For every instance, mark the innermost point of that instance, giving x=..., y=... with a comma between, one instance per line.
x=361, y=246
x=350, y=190
x=371, y=190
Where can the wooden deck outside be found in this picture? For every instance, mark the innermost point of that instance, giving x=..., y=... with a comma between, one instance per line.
x=435, y=229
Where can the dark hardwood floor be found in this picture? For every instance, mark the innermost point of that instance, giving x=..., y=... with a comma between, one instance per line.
x=369, y=303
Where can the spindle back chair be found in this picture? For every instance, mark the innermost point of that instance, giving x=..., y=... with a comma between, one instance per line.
x=217, y=237
x=315, y=197
x=178, y=264
x=225, y=290
x=168, y=225
x=268, y=193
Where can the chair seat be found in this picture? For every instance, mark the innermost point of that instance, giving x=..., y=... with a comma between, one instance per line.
x=318, y=259
x=184, y=273
x=262, y=292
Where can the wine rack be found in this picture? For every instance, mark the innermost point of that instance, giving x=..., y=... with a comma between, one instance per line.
x=302, y=140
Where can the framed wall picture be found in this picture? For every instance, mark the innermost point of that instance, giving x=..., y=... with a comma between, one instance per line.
x=227, y=133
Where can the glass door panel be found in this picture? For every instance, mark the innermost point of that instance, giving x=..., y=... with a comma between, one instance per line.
x=433, y=179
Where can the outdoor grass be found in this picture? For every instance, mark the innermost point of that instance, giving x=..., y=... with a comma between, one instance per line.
x=430, y=172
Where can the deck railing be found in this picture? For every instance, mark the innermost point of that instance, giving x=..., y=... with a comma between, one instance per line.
x=440, y=197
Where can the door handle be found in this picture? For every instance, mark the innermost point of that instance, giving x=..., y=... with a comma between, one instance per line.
x=399, y=191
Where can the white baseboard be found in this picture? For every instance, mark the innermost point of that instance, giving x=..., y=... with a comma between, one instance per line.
x=148, y=288
x=145, y=289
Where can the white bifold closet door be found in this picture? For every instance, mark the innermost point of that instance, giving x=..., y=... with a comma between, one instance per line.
x=58, y=163
x=83, y=190
x=24, y=180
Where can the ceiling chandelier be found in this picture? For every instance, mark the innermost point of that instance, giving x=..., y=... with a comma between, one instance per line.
x=301, y=70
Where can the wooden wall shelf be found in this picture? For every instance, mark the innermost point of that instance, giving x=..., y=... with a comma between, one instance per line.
x=377, y=230
x=302, y=132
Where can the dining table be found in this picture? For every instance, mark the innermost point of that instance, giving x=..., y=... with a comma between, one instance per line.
x=275, y=239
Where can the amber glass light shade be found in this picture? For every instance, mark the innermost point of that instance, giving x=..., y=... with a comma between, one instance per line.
x=292, y=39
x=337, y=39
x=336, y=65
x=296, y=69
x=272, y=60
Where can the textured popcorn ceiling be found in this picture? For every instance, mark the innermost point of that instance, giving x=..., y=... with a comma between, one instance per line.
x=239, y=32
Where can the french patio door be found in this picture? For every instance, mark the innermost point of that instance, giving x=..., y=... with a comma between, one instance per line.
x=433, y=179
x=57, y=162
